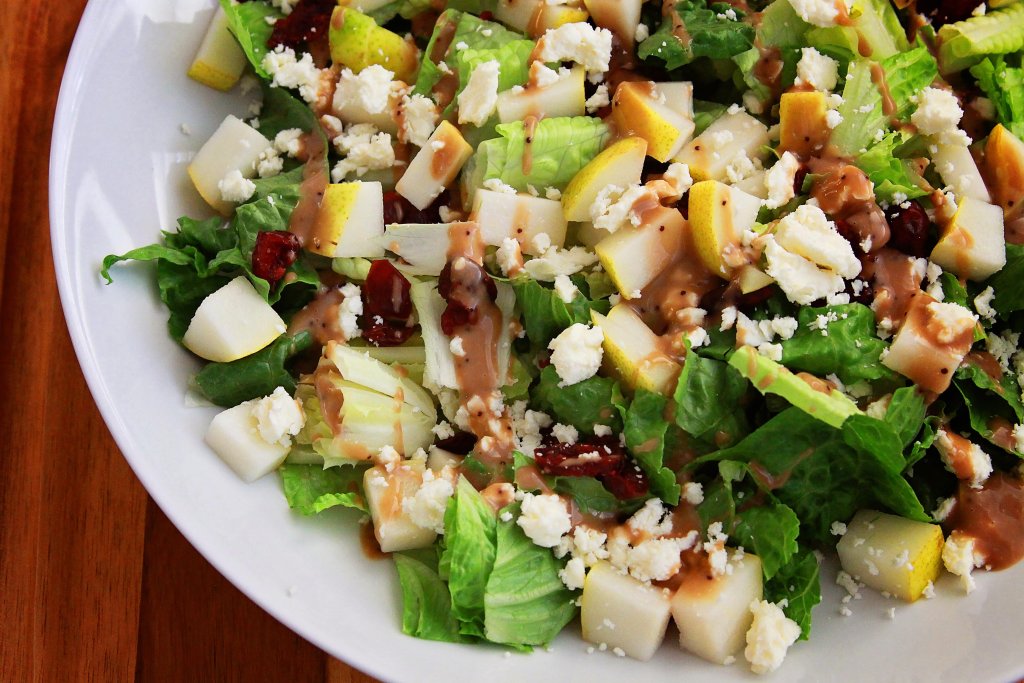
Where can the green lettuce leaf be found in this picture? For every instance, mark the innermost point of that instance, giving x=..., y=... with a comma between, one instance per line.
x=310, y=489
x=1009, y=296
x=781, y=26
x=850, y=350
x=470, y=529
x=770, y=532
x=906, y=413
x=248, y=22
x=709, y=400
x=645, y=429
x=966, y=42
x=593, y=401
x=560, y=147
x=228, y=384
x=545, y=315
x=1002, y=80
x=890, y=175
x=525, y=603
x=590, y=494
x=988, y=400
x=426, y=602
x=798, y=583
x=710, y=32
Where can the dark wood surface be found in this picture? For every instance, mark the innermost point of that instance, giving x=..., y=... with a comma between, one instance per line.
x=95, y=583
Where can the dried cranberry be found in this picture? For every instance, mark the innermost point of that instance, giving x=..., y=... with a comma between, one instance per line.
x=461, y=294
x=758, y=296
x=798, y=180
x=849, y=234
x=863, y=294
x=908, y=228
x=388, y=333
x=487, y=15
x=398, y=209
x=444, y=281
x=626, y=483
x=306, y=29
x=946, y=11
x=575, y=460
x=275, y=251
x=456, y=315
x=459, y=444
x=386, y=293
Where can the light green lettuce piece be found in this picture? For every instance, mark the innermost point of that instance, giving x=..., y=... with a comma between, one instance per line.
x=559, y=148
x=311, y=489
x=248, y=23
x=470, y=546
x=890, y=174
x=966, y=42
x=781, y=26
x=426, y=602
x=1003, y=83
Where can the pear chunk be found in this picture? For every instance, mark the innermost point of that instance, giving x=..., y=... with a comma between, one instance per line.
x=1004, y=166
x=357, y=42
x=422, y=246
x=385, y=491
x=234, y=436
x=958, y=170
x=713, y=614
x=634, y=256
x=219, y=62
x=234, y=146
x=435, y=166
x=621, y=17
x=718, y=215
x=932, y=342
x=535, y=17
x=565, y=97
x=620, y=612
x=519, y=216
x=802, y=126
x=350, y=219
x=973, y=244
x=233, y=322
x=890, y=553
x=640, y=108
x=634, y=353
x=620, y=164
x=729, y=137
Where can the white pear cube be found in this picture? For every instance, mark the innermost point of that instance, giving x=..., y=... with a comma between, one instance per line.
x=219, y=61
x=713, y=614
x=534, y=17
x=620, y=612
x=435, y=166
x=385, y=491
x=890, y=553
x=931, y=344
x=621, y=17
x=233, y=322
x=565, y=97
x=423, y=246
x=958, y=169
x=973, y=245
x=641, y=108
x=234, y=436
x=620, y=164
x=731, y=136
x=634, y=256
x=634, y=352
x=438, y=459
x=754, y=184
x=521, y=217
x=234, y=146
x=350, y=219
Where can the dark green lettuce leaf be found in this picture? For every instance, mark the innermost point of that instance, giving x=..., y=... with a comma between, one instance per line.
x=248, y=22
x=311, y=489
x=1009, y=296
x=770, y=532
x=709, y=400
x=645, y=428
x=1002, y=80
x=228, y=384
x=708, y=32
x=890, y=175
x=545, y=315
x=906, y=413
x=850, y=350
x=593, y=401
x=798, y=583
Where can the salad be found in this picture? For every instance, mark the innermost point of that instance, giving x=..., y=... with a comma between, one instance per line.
x=620, y=310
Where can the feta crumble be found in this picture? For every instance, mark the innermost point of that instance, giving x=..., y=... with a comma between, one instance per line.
x=544, y=519
x=769, y=637
x=576, y=353
x=479, y=98
x=278, y=417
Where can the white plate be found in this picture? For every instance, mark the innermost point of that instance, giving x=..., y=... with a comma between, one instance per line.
x=117, y=178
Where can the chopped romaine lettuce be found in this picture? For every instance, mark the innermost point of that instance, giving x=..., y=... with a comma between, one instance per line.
x=426, y=602
x=995, y=33
x=470, y=548
x=311, y=489
x=1002, y=80
x=716, y=31
x=593, y=401
x=251, y=28
x=890, y=175
x=846, y=346
x=545, y=314
x=228, y=384
x=770, y=532
x=709, y=400
x=798, y=587
x=645, y=428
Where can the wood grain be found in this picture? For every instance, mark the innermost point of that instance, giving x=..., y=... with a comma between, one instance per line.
x=95, y=583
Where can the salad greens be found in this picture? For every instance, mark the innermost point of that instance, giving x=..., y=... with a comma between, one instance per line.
x=584, y=304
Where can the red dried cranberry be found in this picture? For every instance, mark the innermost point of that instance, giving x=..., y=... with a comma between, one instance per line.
x=398, y=209
x=574, y=460
x=459, y=444
x=306, y=29
x=863, y=294
x=456, y=315
x=388, y=333
x=798, y=179
x=849, y=234
x=386, y=293
x=758, y=296
x=487, y=15
x=444, y=281
x=684, y=205
x=275, y=251
x=460, y=294
x=908, y=228
x=946, y=11
x=626, y=483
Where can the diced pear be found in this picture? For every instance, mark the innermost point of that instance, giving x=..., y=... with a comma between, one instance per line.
x=1004, y=162
x=634, y=353
x=219, y=62
x=621, y=17
x=713, y=615
x=350, y=219
x=718, y=216
x=634, y=256
x=523, y=217
x=750, y=278
x=957, y=168
x=587, y=235
x=535, y=17
x=754, y=184
x=919, y=354
x=565, y=97
x=802, y=126
x=357, y=42
x=234, y=146
x=233, y=322
x=640, y=108
x=678, y=97
x=890, y=553
x=709, y=154
x=620, y=164
x=435, y=166
x=439, y=458
x=358, y=367
x=620, y=612
x=233, y=435
x=385, y=491
x=973, y=244
x=423, y=246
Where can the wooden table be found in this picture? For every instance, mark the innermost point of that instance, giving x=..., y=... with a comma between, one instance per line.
x=95, y=582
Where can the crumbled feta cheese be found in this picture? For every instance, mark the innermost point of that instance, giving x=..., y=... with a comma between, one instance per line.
x=652, y=519
x=289, y=141
x=598, y=100
x=542, y=76
x=577, y=42
x=442, y=430
x=821, y=13
x=557, y=262
x=614, y=208
x=816, y=70
x=510, y=256
x=938, y=113
x=800, y=279
x=693, y=493
x=278, y=417
x=236, y=188
x=370, y=89
x=740, y=167
x=678, y=176
x=456, y=347
x=1002, y=347
x=963, y=458
x=576, y=353
x=426, y=508
x=349, y=310
x=419, y=119
x=642, y=33
x=270, y=163
x=779, y=180
x=983, y=304
x=809, y=233
x=573, y=574
x=656, y=559
x=770, y=351
x=286, y=6
x=833, y=118
x=565, y=289
x=365, y=149
x=565, y=433
x=553, y=193
x=959, y=556
x=837, y=529
x=950, y=320
x=729, y=314
x=287, y=71
x=544, y=519
x=479, y=98
x=769, y=637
